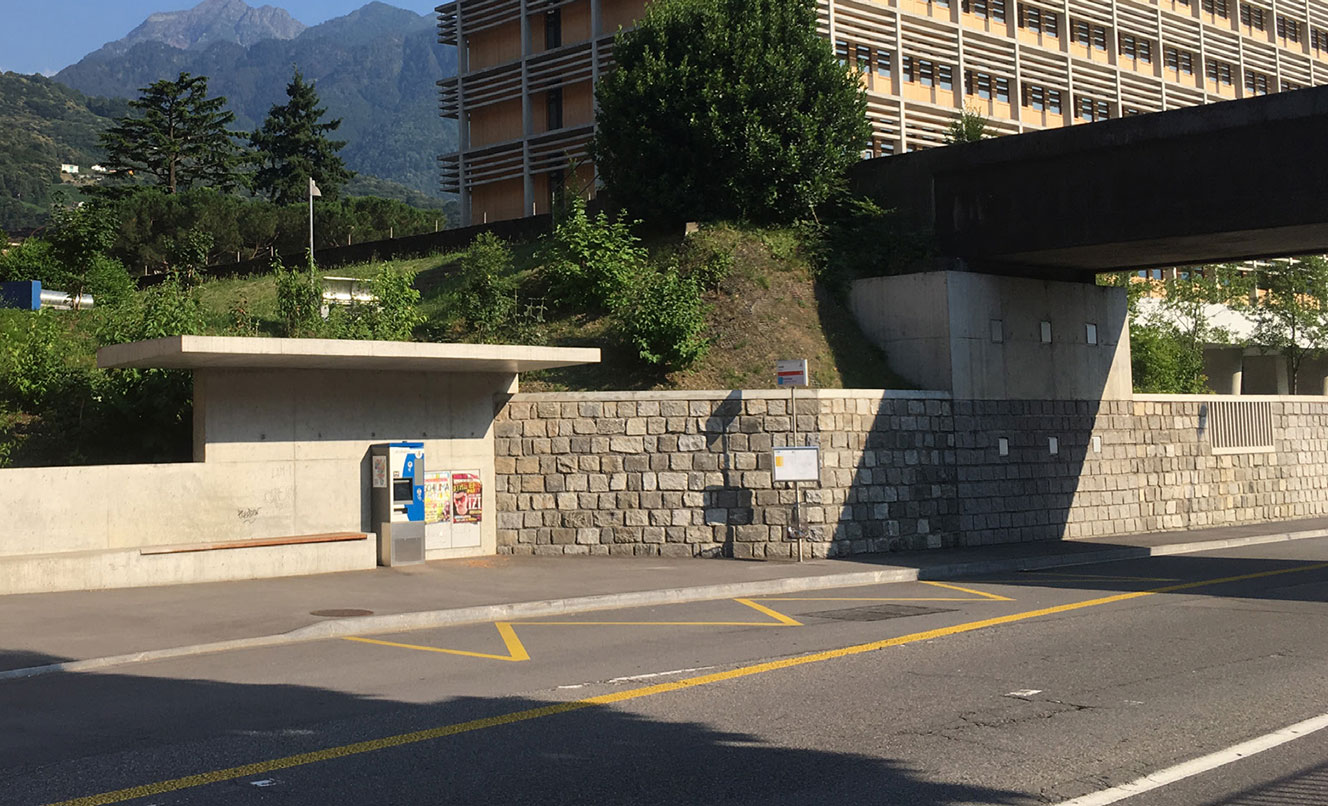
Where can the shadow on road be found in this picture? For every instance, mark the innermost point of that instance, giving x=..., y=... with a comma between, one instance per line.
x=74, y=735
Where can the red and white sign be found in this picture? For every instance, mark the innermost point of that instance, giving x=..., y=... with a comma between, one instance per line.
x=791, y=373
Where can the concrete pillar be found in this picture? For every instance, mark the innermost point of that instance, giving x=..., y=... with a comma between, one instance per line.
x=527, y=115
x=1224, y=367
x=463, y=118
x=1283, y=379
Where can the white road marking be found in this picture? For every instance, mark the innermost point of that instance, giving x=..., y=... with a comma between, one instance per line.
x=652, y=675
x=1024, y=692
x=1202, y=764
x=264, y=782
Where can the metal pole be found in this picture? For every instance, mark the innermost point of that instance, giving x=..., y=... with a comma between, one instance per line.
x=797, y=528
x=311, y=230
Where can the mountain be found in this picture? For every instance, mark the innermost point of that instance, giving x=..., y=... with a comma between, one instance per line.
x=44, y=124
x=376, y=69
x=207, y=23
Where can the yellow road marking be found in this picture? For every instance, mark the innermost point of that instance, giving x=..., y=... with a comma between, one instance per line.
x=774, y=614
x=343, y=751
x=516, y=651
x=994, y=597
x=877, y=599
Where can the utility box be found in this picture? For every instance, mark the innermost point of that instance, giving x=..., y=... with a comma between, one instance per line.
x=397, y=501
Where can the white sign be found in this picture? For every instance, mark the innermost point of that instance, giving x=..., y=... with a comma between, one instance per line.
x=791, y=373
x=797, y=464
x=380, y=471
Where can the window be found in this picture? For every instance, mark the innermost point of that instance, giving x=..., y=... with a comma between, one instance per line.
x=841, y=51
x=862, y=58
x=1219, y=72
x=1091, y=109
x=1135, y=48
x=1215, y=7
x=928, y=73
x=1042, y=99
x=553, y=29
x=987, y=9
x=882, y=63
x=940, y=3
x=554, y=106
x=1130, y=111
x=1039, y=19
x=1252, y=16
x=1182, y=61
x=1256, y=83
x=987, y=86
x=1288, y=29
x=557, y=178
x=1319, y=40
x=1287, y=86
x=1090, y=36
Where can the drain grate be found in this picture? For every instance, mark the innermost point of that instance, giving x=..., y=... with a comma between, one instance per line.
x=343, y=613
x=879, y=612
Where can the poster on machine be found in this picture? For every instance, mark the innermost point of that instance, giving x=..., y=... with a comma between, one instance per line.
x=467, y=497
x=437, y=496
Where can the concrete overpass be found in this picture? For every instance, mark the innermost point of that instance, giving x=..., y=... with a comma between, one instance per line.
x=1220, y=182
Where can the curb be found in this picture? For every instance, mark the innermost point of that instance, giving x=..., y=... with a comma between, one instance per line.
x=405, y=622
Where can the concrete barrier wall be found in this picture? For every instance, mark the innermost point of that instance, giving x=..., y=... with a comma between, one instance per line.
x=688, y=473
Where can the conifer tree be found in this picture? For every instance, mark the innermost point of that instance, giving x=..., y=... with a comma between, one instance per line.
x=292, y=147
x=178, y=137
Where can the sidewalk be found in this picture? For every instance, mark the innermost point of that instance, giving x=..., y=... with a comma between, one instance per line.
x=86, y=630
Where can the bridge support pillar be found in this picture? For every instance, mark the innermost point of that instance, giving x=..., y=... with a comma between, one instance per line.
x=988, y=337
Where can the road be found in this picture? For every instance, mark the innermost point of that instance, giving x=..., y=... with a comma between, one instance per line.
x=1021, y=689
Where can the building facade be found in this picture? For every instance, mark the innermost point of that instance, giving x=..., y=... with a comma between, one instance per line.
x=524, y=98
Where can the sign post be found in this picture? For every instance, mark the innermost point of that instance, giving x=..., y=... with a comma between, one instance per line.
x=791, y=463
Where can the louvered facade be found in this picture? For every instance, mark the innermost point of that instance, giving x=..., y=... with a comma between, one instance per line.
x=525, y=104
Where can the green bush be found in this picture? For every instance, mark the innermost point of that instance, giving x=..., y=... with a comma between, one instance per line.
x=664, y=319
x=299, y=301
x=486, y=293
x=590, y=263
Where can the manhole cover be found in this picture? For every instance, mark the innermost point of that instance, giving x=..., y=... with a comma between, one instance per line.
x=879, y=612
x=342, y=613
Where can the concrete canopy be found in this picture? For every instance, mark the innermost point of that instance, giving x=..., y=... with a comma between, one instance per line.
x=229, y=352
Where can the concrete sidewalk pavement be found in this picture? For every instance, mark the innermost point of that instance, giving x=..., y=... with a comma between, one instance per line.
x=73, y=631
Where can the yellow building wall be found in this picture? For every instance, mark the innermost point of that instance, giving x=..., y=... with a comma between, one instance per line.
x=578, y=104
x=497, y=201
x=495, y=45
x=576, y=22
x=615, y=14
x=495, y=123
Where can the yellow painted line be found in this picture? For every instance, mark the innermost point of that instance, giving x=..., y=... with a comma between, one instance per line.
x=875, y=599
x=516, y=651
x=372, y=745
x=648, y=624
x=774, y=614
x=992, y=596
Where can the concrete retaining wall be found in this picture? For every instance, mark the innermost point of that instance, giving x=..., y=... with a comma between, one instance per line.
x=688, y=473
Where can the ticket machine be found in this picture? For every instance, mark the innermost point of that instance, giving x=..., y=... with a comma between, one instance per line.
x=397, y=501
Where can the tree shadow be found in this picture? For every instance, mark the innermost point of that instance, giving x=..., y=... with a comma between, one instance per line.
x=75, y=735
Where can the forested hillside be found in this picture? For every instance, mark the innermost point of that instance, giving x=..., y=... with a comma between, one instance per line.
x=42, y=124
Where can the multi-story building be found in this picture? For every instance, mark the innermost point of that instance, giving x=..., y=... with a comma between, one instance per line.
x=524, y=97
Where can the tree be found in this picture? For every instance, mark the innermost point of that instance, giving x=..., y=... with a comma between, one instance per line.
x=292, y=147
x=179, y=137
x=969, y=127
x=724, y=108
x=1291, y=316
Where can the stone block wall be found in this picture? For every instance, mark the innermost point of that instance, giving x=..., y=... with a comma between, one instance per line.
x=688, y=473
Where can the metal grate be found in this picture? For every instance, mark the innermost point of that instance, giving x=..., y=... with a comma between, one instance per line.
x=1239, y=425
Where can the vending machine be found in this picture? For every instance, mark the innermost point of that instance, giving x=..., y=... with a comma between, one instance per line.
x=397, y=501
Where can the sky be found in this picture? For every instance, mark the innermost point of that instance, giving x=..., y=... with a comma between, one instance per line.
x=45, y=36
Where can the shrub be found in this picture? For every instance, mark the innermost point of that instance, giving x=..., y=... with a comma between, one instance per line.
x=299, y=301
x=590, y=263
x=665, y=319
x=486, y=293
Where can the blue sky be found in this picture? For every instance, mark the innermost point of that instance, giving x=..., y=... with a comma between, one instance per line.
x=43, y=36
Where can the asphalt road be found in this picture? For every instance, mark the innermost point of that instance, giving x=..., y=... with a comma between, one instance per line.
x=1025, y=689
